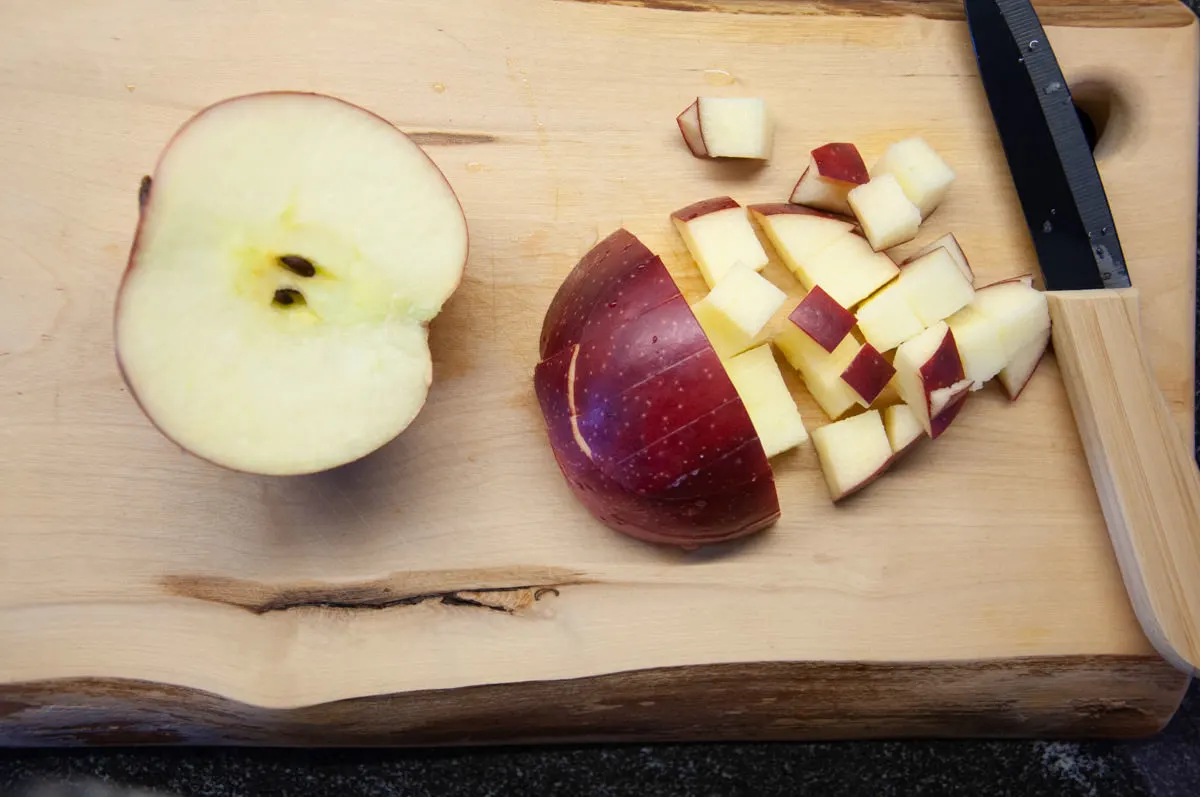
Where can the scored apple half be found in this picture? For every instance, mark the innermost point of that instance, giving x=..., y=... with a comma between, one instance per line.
x=291, y=251
x=643, y=419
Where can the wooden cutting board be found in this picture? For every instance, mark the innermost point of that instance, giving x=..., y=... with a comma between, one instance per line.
x=448, y=588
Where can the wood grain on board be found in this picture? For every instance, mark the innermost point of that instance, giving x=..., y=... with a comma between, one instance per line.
x=449, y=588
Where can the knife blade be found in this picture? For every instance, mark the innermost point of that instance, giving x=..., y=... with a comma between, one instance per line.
x=1145, y=474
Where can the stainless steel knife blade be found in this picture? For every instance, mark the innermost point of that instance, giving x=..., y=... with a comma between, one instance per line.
x=1052, y=165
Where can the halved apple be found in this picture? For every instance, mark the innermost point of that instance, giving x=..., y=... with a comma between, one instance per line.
x=930, y=378
x=644, y=422
x=718, y=234
x=886, y=215
x=853, y=453
x=291, y=251
x=833, y=170
x=919, y=170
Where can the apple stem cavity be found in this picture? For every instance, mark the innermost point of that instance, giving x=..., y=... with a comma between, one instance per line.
x=288, y=297
x=298, y=265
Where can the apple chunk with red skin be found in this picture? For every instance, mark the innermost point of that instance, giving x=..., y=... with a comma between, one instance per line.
x=718, y=234
x=290, y=253
x=833, y=171
x=853, y=453
x=930, y=378
x=644, y=422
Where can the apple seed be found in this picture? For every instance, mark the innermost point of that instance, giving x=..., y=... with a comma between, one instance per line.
x=301, y=266
x=286, y=297
x=144, y=192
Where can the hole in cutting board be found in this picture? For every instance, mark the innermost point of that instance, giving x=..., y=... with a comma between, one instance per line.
x=1104, y=113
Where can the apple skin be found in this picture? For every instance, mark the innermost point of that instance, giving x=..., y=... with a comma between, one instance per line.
x=704, y=207
x=940, y=422
x=823, y=319
x=868, y=373
x=644, y=423
x=841, y=162
x=944, y=369
x=620, y=265
x=145, y=192
x=691, y=116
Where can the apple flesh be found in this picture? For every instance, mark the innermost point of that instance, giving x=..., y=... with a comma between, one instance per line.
x=644, y=422
x=950, y=243
x=798, y=233
x=935, y=286
x=922, y=174
x=290, y=253
x=849, y=270
x=930, y=378
x=886, y=215
x=734, y=127
x=853, y=453
x=822, y=318
x=776, y=420
x=821, y=370
x=886, y=319
x=737, y=309
x=833, y=170
x=903, y=429
x=718, y=234
x=1016, y=374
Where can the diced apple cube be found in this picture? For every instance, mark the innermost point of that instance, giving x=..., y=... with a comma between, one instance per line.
x=821, y=370
x=868, y=374
x=797, y=233
x=1016, y=375
x=951, y=245
x=935, y=286
x=919, y=170
x=930, y=377
x=833, y=170
x=825, y=321
x=755, y=376
x=903, y=428
x=852, y=452
x=718, y=234
x=1019, y=309
x=737, y=309
x=735, y=127
x=886, y=319
x=885, y=214
x=849, y=270
x=980, y=346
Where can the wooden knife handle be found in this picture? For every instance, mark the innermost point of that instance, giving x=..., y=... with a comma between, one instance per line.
x=1144, y=471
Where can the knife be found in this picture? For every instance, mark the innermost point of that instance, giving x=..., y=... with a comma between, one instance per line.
x=1144, y=472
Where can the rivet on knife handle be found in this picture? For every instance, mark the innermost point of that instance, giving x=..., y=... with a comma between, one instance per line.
x=1145, y=474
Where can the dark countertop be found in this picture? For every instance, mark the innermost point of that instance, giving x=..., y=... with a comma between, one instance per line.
x=1163, y=766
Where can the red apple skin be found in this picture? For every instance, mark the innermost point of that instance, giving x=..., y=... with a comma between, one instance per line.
x=146, y=193
x=821, y=318
x=841, y=162
x=695, y=147
x=944, y=368
x=777, y=208
x=620, y=265
x=943, y=420
x=669, y=454
x=704, y=207
x=868, y=373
